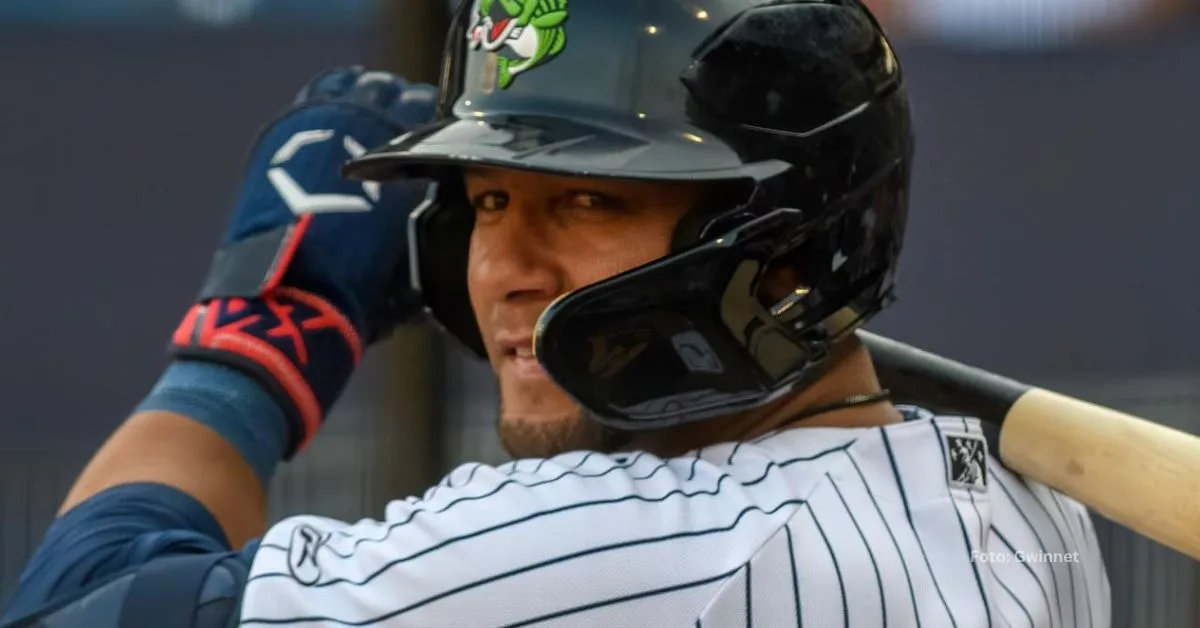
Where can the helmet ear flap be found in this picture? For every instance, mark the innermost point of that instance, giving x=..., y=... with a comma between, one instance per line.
x=440, y=249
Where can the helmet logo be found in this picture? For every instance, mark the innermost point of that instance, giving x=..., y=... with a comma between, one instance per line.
x=523, y=34
x=607, y=361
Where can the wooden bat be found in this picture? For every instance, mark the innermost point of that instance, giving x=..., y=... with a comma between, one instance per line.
x=1140, y=474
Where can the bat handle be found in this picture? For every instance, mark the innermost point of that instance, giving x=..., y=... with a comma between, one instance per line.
x=941, y=384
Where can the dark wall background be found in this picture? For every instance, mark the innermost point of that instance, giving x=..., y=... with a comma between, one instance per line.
x=1055, y=209
x=121, y=157
x=1053, y=230
x=1053, y=236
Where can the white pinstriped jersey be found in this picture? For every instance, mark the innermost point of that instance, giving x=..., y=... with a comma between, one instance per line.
x=913, y=524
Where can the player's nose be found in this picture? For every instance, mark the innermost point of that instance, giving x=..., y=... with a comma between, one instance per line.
x=514, y=261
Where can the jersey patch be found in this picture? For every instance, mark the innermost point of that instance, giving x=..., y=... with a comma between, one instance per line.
x=966, y=464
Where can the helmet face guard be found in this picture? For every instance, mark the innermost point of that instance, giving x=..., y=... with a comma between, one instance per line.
x=689, y=337
x=798, y=106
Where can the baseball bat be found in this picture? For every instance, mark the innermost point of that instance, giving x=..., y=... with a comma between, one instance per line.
x=1135, y=472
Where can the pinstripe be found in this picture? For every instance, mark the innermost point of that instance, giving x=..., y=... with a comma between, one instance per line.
x=1032, y=574
x=695, y=462
x=836, y=568
x=966, y=537
x=887, y=444
x=982, y=545
x=732, y=453
x=912, y=593
x=1016, y=599
x=1072, y=566
x=1084, y=525
x=1045, y=548
x=749, y=600
x=621, y=599
x=787, y=529
x=1063, y=544
x=866, y=544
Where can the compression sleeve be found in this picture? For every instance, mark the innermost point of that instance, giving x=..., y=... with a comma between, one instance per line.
x=104, y=543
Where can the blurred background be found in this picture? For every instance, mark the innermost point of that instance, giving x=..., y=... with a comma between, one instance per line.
x=1052, y=235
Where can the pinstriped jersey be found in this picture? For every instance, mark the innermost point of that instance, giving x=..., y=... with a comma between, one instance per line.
x=911, y=524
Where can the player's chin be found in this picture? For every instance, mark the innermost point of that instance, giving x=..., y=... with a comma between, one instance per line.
x=547, y=430
x=535, y=400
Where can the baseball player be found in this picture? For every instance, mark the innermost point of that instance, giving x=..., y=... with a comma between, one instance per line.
x=661, y=223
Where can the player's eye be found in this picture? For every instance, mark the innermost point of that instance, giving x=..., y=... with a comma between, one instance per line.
x=492, y=201
x=587, y=200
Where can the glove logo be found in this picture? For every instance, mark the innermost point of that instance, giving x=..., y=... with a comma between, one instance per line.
x=302, y=202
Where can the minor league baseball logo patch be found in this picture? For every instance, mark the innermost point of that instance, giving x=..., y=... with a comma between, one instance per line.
x=967, y=463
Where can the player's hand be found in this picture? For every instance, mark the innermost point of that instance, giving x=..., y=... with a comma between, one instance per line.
x=313, y=268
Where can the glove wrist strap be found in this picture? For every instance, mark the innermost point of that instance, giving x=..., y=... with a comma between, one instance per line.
x=297, y=345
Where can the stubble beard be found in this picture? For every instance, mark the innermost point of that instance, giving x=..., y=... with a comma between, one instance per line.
x=525, y=438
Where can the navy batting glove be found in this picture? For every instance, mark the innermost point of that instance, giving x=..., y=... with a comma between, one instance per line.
x=313, y=268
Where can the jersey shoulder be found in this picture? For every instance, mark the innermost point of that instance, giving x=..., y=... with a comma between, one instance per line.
x=1043, y=532
x=595, y=534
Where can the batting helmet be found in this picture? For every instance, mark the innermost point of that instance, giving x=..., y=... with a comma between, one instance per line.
x=795, y=114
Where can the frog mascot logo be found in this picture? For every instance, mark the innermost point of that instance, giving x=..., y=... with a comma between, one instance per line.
x=523, y=34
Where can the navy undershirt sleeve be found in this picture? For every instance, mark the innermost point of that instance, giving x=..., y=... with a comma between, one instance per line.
x=114, y=533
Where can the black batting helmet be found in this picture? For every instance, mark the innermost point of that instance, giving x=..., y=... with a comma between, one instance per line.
x=794, y=111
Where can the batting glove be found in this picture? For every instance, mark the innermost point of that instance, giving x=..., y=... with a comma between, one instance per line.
x=313, y=268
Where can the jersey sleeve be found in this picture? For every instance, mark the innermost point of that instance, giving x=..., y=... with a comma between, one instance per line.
x=578, y=536
x=1087, y=561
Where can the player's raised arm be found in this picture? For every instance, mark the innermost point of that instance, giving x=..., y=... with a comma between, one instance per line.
x=310, y=272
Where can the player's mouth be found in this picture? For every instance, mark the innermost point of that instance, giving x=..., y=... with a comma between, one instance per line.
x=519, y=358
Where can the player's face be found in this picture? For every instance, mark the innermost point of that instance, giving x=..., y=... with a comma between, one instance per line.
x=537, y=237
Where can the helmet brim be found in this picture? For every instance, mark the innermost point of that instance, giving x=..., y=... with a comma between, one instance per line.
x=633, y=149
